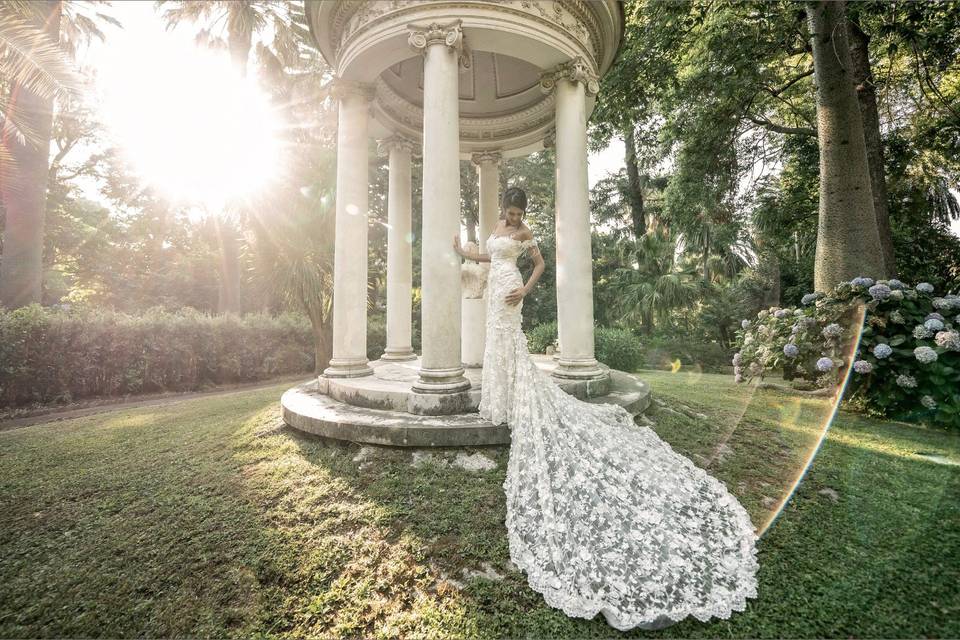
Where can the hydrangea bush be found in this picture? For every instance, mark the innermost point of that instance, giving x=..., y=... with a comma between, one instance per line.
x=906, y=365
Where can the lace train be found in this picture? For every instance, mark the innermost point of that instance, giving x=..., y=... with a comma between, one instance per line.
x=602, y=514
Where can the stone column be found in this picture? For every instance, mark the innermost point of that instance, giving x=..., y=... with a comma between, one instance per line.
x=441, y=369
x=550, y=142
x=474, y=310
x=571, y=81
x=350, y=248
x=488, y=172
x=399, y=251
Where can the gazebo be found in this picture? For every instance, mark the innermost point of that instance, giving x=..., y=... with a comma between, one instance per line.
x=476, y=80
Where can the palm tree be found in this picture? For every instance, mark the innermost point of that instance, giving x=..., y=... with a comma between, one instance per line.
x=37, y=40
x=241, y=20
x=657, y=282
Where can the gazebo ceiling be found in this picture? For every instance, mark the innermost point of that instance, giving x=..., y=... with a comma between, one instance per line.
x=509, y=44
x=494, y=84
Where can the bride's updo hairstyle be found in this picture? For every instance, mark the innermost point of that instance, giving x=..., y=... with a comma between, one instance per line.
x=514, y=197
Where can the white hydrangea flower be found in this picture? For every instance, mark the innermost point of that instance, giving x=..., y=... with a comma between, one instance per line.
x=897, y=295
x=781, y=313
x=926, y=355
x=928, y=402
x=948, y=340
x=862, y=366
x=895, y=284
x=933, y=324
x=920, y=332
x=744, y=324
x=907, y=382
x=897, y=317
x=924, y=287
x=882, y=351
x=832, y=330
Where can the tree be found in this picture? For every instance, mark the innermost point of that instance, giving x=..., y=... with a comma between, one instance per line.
x=242, y=19
x=848, y=243
x=24, y=194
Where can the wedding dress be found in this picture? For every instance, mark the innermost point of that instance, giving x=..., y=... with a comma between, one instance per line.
x=603, y=515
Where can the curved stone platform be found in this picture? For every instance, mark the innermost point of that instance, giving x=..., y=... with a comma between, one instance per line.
x=374, y=409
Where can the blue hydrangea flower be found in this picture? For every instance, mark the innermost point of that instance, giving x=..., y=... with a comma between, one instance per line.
x=896, y=294
x=862, y=282
x=862, y=366
x=781, y=313
x=924, y=287
x=882, y=351
x=933, y=324
x=936, y=316
x=925, y=355
x=809, y=298
x=907, y=382
x=879, y=292
x=791, y=350
x=895, y=284
x=832, y=330
x=928, y=402
x=824, y=364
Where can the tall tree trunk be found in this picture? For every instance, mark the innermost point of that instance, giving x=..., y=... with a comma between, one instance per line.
x=867, y=99
x=634, y=185
x=229, y=300
x=25, y=200
x=848, y=243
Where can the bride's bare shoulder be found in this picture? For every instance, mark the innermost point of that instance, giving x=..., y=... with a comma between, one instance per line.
x=524, y=233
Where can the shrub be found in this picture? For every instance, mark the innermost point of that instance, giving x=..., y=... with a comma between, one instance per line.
x=907, y=365
x=616, y=348
x=50, y=355
x=541, y=336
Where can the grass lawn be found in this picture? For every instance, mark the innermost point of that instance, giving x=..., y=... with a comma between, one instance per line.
x=208, y=517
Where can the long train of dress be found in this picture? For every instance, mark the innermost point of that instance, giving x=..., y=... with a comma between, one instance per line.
x=602, y=514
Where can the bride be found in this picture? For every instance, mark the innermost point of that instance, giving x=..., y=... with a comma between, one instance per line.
x=602, y=515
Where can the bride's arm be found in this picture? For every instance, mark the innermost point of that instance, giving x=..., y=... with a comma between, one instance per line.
x=476, y=257
x=538, y=267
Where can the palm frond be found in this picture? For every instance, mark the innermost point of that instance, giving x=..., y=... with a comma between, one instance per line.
x=33, y=62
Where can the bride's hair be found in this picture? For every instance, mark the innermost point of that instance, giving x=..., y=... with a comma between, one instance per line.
x=514, y=197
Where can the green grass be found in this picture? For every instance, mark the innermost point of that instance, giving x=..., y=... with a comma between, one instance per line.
x=209, y=518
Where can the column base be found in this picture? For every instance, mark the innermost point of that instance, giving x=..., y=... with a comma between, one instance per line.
x=441, y=381
x=578, y=369
x=348, y=368
x=398, y=354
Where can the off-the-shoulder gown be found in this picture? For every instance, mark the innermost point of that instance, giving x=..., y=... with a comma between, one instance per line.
x=602, y=514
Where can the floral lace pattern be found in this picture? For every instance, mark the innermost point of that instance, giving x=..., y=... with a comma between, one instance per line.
x=603, y=515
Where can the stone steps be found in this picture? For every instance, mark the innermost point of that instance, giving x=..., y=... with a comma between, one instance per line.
x=305, y=408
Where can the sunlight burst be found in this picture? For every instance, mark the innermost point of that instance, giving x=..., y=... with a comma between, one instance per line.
x=191, y=125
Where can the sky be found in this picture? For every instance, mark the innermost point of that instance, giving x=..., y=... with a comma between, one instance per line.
x=144, y=43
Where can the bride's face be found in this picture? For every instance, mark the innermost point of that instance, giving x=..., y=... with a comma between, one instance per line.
x=513, y=216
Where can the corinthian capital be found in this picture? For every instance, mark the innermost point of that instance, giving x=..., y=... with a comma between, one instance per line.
x=575, y=70
x=340, y=89
x=451, y=35
x=385, y=146
x=482, y=157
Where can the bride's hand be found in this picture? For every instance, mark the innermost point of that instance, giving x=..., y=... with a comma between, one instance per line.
x=456, y=245
x=515, y=296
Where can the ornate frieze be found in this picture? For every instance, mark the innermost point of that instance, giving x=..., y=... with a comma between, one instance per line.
x=341, y=88
x=575, y=70
x=574, y=17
